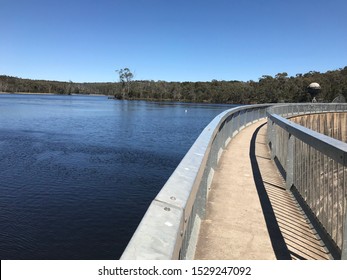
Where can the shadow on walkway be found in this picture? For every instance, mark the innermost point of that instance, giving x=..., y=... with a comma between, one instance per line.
x=249, y=213
x=292, y=235
x=277, y=240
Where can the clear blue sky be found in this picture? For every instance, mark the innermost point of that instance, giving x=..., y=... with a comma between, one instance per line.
x=172, y=40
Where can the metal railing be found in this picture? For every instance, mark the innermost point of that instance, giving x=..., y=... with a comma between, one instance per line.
x=315, y=165
x=170, y=227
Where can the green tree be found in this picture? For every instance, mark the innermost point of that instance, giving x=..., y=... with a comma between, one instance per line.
x=125, y=77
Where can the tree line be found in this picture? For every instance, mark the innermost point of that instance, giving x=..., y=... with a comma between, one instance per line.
x=268, y=89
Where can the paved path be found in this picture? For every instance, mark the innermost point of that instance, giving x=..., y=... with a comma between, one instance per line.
x=249, y=213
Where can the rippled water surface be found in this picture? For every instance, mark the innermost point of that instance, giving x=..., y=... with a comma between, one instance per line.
x=77, y=173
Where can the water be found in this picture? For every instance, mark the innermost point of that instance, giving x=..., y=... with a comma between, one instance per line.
x=77, y=173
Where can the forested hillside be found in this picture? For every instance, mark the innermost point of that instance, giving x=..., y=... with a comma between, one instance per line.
x=280, y=88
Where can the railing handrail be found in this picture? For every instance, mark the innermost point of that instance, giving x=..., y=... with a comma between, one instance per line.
x=332, y=148
x=160, y=233
x=293, y=109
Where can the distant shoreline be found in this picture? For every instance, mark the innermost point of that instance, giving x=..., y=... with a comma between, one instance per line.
x=27, y=93
x=112, y=97
x=280, y=88
x=47, y=93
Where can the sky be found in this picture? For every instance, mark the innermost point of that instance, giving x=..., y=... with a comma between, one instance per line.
x=170, y=40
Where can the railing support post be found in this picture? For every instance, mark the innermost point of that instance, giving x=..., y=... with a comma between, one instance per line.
x=273, y=139
x=344, y=240
x=290, y=162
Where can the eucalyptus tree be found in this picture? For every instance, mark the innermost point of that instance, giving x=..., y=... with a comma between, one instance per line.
x=125, y=77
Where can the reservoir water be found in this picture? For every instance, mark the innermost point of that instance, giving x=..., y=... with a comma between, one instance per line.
x=77, y=173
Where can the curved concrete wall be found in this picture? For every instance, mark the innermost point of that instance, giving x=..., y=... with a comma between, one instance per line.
x=171, y=224
x=331, y=124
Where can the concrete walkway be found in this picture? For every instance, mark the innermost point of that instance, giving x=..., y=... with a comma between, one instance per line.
x=249, y=213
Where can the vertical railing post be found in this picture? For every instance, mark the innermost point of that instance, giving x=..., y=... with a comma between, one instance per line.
x=273, y=139
x=344, y=208
x=290, y=162
x=344, y=240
